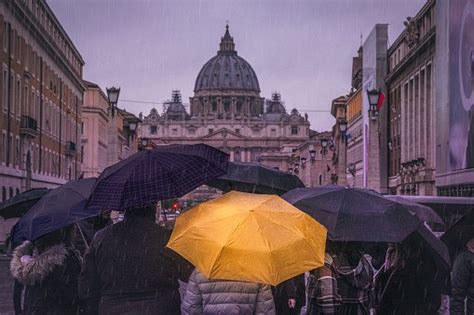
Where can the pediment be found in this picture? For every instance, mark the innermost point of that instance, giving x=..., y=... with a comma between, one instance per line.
x=224, y=133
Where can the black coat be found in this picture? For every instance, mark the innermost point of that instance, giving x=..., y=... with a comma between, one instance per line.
x=50, y=279
x=293, y=288
x=409, y=290
x=128, y=270
x=463, y=284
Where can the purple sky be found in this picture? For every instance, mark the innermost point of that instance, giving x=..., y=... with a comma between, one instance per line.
x=303, y=49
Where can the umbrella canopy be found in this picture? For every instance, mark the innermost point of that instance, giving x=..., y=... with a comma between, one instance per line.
x=18, y=205
x=255, y=178
x=149, y=176
x=424, y=213
x=249, y=237
x=58, y=208
x=459, y=234
x=354, y=214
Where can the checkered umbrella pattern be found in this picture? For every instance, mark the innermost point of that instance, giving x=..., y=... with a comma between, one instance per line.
x=162, y=173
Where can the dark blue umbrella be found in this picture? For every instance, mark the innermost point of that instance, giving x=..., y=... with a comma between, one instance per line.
x=355, y=214
x=57, y=209
x=162, y=173
x=18, y=205
x=255, y=178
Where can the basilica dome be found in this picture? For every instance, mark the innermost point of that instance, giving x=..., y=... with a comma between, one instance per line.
x=227, y=70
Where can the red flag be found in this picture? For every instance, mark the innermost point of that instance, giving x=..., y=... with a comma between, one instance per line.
x=380, y=101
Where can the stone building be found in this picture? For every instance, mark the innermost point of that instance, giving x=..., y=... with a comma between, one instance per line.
x=107, y=137
x=227, y=112
x=41, y=99
x=410, y=97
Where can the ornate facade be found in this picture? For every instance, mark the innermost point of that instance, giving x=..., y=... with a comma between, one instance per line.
x=227, y=112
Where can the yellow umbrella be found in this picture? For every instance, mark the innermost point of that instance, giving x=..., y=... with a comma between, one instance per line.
x=249, y=237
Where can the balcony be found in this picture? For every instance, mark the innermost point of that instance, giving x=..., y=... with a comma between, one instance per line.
x=28, y=126
x=70, y=148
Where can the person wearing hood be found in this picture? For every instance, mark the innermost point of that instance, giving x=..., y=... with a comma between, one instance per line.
x=462, y=279
x=128, y=269
x=204, y=296
x=48, y=268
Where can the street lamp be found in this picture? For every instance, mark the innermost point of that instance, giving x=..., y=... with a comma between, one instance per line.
x=373, y=96
x=303, y=162
x=132, y=126
x=312, y=153
x=324, y=144
x=343, y=127
x=113, y=95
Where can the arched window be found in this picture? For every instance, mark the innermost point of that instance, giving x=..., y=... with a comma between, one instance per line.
x=320, y=180
x=4, y=193
x=11, y=192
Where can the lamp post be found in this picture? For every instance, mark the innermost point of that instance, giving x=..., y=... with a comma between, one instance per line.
x=113, y=96
x=343, y=127
x=373, y=96
x=352, y=170
x=324, y=145
x=144, y=143
x=312, y=153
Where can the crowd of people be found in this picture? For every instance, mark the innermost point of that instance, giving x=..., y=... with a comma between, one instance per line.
x=101, y=268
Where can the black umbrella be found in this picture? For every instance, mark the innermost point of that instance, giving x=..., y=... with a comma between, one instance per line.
x=354, y=214
x=424, y=213
x=18, y=205
x=255, y=178
x=459, y=234
x=162, y=173
x=59, y=208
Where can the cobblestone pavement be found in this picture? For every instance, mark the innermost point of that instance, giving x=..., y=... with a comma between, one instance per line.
x=6, y=287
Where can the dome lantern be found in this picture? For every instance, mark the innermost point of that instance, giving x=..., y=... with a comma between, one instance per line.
x=227, y=42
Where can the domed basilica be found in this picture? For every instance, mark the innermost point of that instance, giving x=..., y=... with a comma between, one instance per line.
x=227, y=112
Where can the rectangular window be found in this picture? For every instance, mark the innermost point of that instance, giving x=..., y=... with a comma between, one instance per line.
x=18, y=152
x=18, y=97
x=82, y=154
x=174, y=132
x=237, y=131
x=4, y=147
x=153, y=130
x=5, y=36
x=273, y=132
x=5, y=90
x=11, y=144
x=211, y=130
x=294, y=130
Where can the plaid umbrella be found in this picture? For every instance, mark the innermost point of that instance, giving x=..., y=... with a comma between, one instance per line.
x=149, y=176
x=18, y=205
x=255, y=178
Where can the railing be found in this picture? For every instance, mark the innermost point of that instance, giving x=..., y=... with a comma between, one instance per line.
x=28, y=126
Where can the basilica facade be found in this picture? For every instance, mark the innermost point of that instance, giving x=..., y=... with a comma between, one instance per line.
x=227, y=112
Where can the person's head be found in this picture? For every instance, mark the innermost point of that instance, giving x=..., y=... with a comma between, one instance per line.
x=470, y=244
x=64, y=236
x=145, y=212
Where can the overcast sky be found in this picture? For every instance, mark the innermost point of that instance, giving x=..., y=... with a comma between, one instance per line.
x=302, y=49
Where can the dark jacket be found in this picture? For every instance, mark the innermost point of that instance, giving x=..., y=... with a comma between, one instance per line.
x=293, y=288
x=408, y=290
x=86, y=230
x=463, y=284
x=128, y=270
x=50, y=278
x=204, y=296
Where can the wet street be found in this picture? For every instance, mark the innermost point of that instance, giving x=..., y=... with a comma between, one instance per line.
x=6, y=285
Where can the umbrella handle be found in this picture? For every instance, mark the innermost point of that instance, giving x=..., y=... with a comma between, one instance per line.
x=82, y=235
